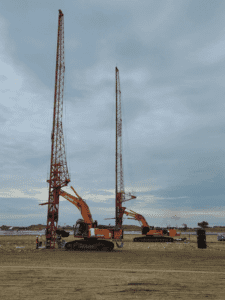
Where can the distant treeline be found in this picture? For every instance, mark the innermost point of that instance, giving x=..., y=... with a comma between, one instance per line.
x=31, y=227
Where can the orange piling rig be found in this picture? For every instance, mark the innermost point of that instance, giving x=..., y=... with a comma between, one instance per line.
x=150, y=233
x=94, y=235
x=59, y=175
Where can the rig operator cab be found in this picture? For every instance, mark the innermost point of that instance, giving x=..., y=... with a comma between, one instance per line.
x=81, y=228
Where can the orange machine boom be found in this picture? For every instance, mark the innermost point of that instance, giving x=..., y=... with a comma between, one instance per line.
x=88, y=229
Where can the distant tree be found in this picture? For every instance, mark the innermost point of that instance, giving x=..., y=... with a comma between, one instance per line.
x=185, y=227
x=4, y=227
x=203, y=224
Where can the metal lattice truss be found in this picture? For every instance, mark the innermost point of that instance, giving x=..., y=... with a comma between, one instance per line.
x=59, y=175
x=119, y=162
x=59, y=172
x=120, y=192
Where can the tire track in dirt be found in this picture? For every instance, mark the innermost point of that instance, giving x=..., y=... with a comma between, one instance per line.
x=116, y=270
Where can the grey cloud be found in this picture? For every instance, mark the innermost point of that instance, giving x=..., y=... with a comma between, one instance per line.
x=171, y=63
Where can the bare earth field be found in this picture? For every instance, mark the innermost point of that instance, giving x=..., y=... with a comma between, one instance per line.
x=176, y=270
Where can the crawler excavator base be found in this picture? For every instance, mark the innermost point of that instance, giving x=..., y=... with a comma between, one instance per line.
x=153, y=238
x=89, y=245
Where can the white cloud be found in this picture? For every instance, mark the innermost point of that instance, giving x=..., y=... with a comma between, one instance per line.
x=71, y=43
x=25, y=101
x=19, y=217
x=146, y=185
x=212, y=53
x=150, y=18
x=41, y=194
x=136, y=77
x=13, y=193
x=89, y=196
x=94, y=76
x=181, y=213
x=96, y=197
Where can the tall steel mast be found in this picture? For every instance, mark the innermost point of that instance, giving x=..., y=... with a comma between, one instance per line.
x=59, y=175
x=119, y=165
x=119, y=191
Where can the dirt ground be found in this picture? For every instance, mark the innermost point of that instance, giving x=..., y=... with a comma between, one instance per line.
x=176, y=270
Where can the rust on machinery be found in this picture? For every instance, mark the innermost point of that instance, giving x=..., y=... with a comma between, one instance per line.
x=59, y=175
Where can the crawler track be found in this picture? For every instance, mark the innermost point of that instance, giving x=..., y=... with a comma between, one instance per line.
x=159, y=239
x=89, y=245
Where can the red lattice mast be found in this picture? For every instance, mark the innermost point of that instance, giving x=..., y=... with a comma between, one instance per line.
x=119, y=165
x=120, y=192
x=59, y=175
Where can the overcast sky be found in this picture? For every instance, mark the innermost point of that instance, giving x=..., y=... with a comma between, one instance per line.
x=171, y=59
